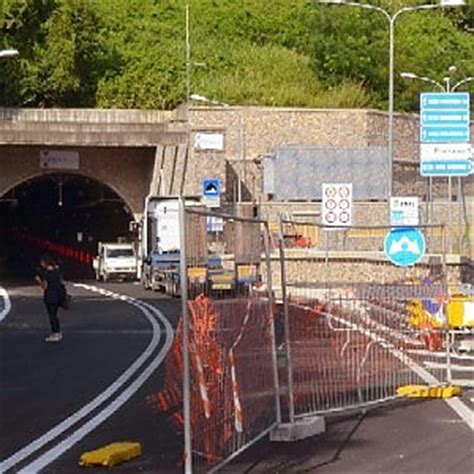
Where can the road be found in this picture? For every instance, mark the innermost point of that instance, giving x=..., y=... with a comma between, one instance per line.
x=42, y=385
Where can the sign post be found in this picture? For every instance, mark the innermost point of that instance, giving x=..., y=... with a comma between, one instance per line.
x=445, y=150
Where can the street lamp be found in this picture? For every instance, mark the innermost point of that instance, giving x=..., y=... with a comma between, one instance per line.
x=8, y=53
x=446, y=80
x=202, y=98
x=391, y=18
x=411, y=75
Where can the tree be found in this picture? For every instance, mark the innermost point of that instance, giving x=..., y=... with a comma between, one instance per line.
x=61, y=54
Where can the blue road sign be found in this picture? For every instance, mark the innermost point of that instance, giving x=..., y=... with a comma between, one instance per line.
x=404, y=246
x=444, y=101
x=443, y=134
x=454, y=118
x=447, y=168
x=444, y=117
x=211, y=187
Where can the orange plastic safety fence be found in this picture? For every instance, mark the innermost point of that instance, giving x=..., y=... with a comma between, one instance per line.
x=232, y=386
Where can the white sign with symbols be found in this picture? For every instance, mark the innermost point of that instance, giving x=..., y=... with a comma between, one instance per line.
x=337, y=204
x=59, y=160
x=404, y=211
x=209, y=141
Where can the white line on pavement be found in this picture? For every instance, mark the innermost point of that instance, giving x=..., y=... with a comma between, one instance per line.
x=149, y=312
x=51, y=455
x=457, y=405
x=7, y=306
x=454, y=367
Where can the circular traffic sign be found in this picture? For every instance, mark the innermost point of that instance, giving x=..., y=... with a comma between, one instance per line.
x=404, y=246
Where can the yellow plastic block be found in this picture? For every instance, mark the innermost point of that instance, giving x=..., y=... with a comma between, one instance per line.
x=425, y=391
x=111, y=455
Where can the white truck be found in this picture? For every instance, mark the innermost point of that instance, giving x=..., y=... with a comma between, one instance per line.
x=115, y=260
x=161, y=265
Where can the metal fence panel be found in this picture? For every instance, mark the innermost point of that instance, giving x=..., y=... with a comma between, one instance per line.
x=358, y=327
x=225, y=342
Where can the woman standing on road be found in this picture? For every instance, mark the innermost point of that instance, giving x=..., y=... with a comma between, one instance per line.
x=50, y=280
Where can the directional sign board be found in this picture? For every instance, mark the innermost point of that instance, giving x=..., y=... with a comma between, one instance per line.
x=444, y=134
x=404, y=246
x=446, y=151
x=447, y=168
x=337, y=204
x=444, y=117
x=404, y=211
x=211, y=192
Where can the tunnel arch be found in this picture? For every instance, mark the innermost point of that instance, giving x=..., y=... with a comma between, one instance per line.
x=62, y=212
x=42, y=174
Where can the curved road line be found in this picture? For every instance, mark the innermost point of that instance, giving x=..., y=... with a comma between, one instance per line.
x=149, y=312
x=455, y=404
x=7, y=303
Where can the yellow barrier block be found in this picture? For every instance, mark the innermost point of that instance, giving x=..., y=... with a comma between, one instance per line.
x=111, y=455
x=425, y=391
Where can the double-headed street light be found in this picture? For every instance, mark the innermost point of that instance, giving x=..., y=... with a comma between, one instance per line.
x=447, y=80
x=391, y=18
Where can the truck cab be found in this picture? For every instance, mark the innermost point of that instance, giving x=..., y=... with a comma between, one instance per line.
x=115, y=261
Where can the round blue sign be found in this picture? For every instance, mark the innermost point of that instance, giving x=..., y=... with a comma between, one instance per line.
x=404, y=246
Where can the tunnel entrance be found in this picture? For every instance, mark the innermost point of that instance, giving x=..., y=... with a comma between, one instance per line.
x=63, y=214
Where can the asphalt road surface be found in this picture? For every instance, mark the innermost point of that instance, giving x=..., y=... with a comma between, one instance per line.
x=59, y=400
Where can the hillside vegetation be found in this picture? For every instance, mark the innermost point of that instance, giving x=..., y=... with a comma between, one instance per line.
x=131, y=53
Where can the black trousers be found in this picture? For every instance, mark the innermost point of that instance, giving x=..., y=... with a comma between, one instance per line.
x=52, y=309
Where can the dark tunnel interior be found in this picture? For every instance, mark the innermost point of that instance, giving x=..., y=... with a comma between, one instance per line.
x=68, y=210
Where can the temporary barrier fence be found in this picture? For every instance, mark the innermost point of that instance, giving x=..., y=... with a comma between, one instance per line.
x=221, y=384
x=354, y=329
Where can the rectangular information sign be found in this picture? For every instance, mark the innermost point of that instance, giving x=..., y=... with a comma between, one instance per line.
x=444, y=117
x=404, y=211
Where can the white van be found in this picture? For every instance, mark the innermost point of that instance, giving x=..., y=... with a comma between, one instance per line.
x=117, y=261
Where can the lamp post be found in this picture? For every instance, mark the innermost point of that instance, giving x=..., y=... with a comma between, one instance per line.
x=446, y=87
x=392, y=18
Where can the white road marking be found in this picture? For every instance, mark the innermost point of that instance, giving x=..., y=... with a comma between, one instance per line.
x=457, y=405
x=51, y=455
x=7, y=306
x=149, y=312
x=441, y=365
x=441, y=355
